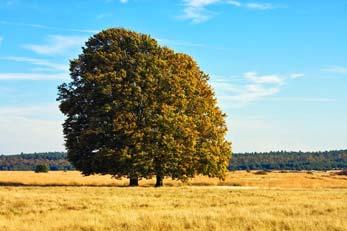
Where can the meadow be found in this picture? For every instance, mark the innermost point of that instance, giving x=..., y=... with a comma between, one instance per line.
x=244, y=201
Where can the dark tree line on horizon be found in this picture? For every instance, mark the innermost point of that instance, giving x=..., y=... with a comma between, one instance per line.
x=281, y=160
x=55, y=161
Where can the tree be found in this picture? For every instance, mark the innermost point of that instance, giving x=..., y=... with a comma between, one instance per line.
x=41, y=168
x=137, y=109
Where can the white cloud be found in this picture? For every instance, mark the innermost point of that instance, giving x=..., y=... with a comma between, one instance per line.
x=252, y=5
x=249, y=93
x=234, y=3
x=264, y=79
x=250, y=87
x=178, y=43
x=57, y=44
x=259, y=6
x=103, y=16
x=37, y=128
x=121, y=1
x=200, y=3
x=45, y=27
x=33, y=76
x=38, y=62
x=197, y=12
x=296, y=75
x=1, y=39
x=336, y=70
x=304, y=100
x=254, y=88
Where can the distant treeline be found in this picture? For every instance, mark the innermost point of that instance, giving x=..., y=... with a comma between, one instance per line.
x=249, y=161
x=27, y=162
x=290, y=160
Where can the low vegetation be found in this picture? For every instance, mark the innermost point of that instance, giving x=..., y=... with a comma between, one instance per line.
x=41, y=168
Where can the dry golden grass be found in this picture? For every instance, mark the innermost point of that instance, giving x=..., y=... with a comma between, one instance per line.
x=273, y=179
x=305, y=202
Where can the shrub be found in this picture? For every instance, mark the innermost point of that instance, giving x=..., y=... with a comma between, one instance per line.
x=41, y=168
x=342, y=172
x=261, y=172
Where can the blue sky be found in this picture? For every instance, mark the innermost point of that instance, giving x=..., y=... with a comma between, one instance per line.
x=279, y=68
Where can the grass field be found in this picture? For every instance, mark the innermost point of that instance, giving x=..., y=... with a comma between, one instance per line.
x=245, y=201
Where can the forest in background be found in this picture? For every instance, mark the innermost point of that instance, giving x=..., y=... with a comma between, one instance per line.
x=27, y=162
x=281, y=160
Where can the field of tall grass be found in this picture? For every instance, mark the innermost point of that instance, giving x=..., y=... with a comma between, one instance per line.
x=245, y=201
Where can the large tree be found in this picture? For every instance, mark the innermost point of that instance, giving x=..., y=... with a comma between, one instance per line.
x=137, y=109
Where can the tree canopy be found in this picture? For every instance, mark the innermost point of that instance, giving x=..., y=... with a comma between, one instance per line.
x=137, y=109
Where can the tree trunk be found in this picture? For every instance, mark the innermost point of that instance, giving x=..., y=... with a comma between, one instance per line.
x=134, y=182
x=159, y=182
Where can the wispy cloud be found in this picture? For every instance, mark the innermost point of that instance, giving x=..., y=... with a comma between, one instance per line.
x=33, y=76
x=234, y=3
x=170, y=42
x=1, y=39
x=252, y=5
x=259, y=6
x=264, y=79
x=335, y=70
x=44, y=65
x=252, y=87
x=197, y=10
x=46, y=27
x=304, y=99
x=103, y=16
x=249, y=93
x=121, y=1
x=296, y=75
x=57, y=44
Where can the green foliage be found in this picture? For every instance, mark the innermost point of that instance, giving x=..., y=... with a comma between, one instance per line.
x=137, y=109
x=290, y=160
x=27, y=162
x=41, y=168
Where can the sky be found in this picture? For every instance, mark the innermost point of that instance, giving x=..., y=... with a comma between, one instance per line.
x=278, y=68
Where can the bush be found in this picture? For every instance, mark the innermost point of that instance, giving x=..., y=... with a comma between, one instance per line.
x=261, y=172
x=41, y=168
x=342, y=172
